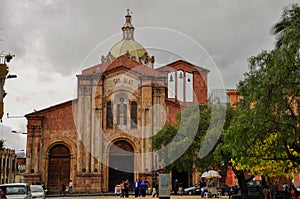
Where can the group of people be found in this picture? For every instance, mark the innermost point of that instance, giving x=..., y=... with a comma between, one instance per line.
x=139, y=187
x=63, y=188
x=124, y=185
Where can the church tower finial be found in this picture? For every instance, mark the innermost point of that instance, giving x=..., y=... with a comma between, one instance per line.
x=128, y=27
x=129, y=47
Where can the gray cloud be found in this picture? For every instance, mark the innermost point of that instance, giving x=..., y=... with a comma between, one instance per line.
x=52, y=38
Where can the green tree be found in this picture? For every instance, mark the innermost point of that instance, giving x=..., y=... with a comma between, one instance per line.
x=288, y=22
x=264, y=138
x=192, y=125
x=198, y=126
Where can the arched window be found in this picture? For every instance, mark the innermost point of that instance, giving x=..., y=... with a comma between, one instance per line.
x=171, y=84
x=180, y=85
x=109, y=115
x=122, y=112
x=133, y=115
x=189, y=87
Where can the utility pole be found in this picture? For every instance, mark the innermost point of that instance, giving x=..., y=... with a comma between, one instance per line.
x=4, y=59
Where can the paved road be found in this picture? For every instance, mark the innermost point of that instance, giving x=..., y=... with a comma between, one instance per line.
x=130, y=197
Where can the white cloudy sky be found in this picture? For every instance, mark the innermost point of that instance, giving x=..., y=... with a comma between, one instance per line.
x=54, y=39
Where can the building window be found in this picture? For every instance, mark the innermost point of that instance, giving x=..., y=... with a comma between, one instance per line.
x=189, y=87
x=109, y=115
x=122, y=112
x=180, y=85
x=171, y=84
x=133, y=115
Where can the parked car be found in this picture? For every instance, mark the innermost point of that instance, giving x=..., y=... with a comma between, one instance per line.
x=37, y=191
x=225, y=188
x=255, y=189
x=17, y=190
x=192, y=190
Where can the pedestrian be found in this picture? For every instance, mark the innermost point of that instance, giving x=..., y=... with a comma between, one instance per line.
x=143, y=188
x=2, y=194
x=126, y=188
x=63, y=189
x=203, y=187
x=294, y=192
x=136, y=188
x=43, y=185
x=122, y=194
x=70, y=187
x=266, y=192
x=140, y=190
x=176, y=187
x=154, y=189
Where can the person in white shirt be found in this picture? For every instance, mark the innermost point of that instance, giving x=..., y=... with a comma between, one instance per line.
x=70, y=187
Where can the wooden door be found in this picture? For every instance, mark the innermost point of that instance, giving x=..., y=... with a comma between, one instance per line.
x=58, y=168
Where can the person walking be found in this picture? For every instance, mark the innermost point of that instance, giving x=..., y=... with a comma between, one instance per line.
x=176, y=187
x=143, y=188
x=136, y=188
x=63, y=189
x=203, y=187
x=126, y=188
x=154, y=189
x=70, y=187
x=266, y=192
x=122, y=194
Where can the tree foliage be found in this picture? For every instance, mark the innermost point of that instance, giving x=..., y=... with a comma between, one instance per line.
x=199, y=127
x=263, y=137
x=190, y=129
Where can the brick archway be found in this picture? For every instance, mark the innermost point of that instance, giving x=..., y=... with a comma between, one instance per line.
x=58, y=167
x=121, y=163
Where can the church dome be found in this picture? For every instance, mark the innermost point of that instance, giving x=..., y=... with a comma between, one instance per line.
x=134, y=48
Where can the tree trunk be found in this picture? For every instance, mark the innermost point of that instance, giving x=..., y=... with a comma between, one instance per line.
x=243, y=183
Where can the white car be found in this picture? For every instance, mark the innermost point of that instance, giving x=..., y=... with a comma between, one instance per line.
x=16, y=190
x=37, y=191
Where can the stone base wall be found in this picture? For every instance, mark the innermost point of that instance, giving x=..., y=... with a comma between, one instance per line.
x=32, y=178
x=87, y=183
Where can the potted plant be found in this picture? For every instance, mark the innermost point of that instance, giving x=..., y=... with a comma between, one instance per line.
x=8, y=57
x=2, y=144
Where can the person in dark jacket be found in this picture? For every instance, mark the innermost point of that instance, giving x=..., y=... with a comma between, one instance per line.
x=63, y=189
x=2, y=194
x=176, y=187
x=136, y=188
x=154, y=189
x=143, y=188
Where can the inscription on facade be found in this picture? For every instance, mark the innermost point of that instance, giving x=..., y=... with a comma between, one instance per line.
x=124, y=80
x=121, y=80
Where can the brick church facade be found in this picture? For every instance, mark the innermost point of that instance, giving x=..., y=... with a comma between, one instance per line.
x=104, y=134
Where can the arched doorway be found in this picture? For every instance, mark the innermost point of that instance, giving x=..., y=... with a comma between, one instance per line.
x=121, y=163
x=58, y=167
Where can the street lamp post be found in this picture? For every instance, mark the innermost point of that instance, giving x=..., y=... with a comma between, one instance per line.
x=13, y=131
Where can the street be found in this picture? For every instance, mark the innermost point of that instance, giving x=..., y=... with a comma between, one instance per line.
x=117, y=197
